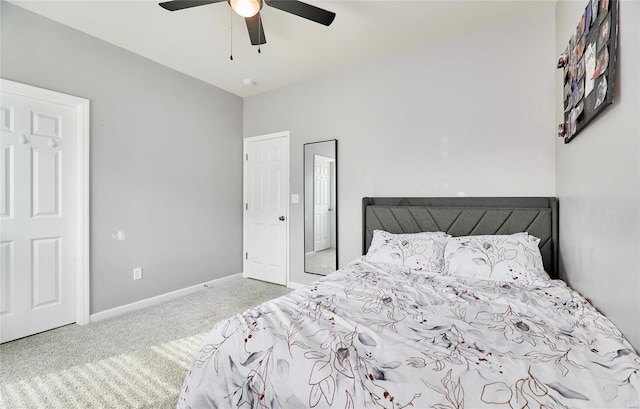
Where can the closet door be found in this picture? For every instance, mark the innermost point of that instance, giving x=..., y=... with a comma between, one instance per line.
x=266, y=212
x=37, y=215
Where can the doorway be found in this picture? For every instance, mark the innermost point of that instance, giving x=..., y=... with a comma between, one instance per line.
x=266, y=208
x=44, y=210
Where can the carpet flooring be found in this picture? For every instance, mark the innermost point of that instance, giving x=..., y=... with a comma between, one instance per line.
x=135, y=360
x=322, y=262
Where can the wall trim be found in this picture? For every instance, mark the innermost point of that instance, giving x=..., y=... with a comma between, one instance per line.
x=295, y=286
x=158, y=299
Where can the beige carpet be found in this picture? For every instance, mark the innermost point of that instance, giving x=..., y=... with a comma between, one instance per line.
x=136, y=360
x=321, y=262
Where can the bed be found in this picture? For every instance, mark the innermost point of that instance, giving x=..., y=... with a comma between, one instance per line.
x=455, y=303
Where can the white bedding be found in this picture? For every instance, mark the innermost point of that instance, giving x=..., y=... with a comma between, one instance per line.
x=367, y=336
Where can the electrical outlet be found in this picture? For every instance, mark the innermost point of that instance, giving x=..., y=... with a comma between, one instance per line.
x=137, y=273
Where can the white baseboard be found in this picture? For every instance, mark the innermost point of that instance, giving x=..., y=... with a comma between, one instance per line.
x=296, y=286
x=158, y=299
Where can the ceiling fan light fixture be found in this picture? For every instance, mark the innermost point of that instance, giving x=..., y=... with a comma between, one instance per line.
x=246, y=8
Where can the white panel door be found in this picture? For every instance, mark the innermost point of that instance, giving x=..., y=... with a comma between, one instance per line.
x=266, y=192
x=322, y=203
x=37, y=216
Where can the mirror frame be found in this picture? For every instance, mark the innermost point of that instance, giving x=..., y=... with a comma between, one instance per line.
x=304, y=201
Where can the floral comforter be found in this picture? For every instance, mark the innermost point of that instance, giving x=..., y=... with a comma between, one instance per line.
x=368, y=336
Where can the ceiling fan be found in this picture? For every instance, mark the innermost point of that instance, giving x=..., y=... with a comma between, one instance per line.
x=250, y=10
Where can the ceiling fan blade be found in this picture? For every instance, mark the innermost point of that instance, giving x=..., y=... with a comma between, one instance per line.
x=185, y=4
x=304, y=10
x=255, y=28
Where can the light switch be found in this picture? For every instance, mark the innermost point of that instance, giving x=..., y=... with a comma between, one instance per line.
x=295, y=198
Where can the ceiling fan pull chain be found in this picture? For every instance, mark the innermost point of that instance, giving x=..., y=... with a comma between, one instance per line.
x=231, y=30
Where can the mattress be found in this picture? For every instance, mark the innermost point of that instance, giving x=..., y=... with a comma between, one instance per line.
x=371, y=336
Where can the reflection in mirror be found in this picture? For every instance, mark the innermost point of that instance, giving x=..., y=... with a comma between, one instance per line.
x=320, y=207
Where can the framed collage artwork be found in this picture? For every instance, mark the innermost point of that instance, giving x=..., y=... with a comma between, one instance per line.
x=588, y=65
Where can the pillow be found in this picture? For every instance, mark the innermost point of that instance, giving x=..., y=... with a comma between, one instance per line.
x=513, y=258
x=417, y=251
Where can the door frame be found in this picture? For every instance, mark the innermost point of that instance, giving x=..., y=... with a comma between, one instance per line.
x=82, y=231
x=246, y=141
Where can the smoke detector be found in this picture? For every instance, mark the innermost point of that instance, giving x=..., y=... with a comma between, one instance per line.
x=249, y=82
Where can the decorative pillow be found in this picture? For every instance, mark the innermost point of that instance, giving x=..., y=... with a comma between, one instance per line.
x=514, y=258
x=417, y=251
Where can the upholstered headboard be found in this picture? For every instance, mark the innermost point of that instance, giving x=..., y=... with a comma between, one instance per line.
x=465, y=216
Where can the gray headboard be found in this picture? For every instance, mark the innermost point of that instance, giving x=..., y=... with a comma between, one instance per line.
x=466, y=216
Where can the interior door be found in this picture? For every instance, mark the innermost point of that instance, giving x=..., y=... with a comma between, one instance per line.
x=266, y=212
x=37, y=215
x=322, y=202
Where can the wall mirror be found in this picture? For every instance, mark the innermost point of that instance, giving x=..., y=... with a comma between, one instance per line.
x=321, y=207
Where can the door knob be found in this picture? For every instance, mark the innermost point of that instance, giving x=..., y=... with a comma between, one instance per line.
x=281, y=218
x=22, y=139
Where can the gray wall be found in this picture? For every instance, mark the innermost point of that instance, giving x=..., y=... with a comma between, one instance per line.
x=166, y=155
x=598, y=184
x=472, y=115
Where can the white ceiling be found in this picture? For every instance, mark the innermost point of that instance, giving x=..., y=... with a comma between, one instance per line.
x=197, y=41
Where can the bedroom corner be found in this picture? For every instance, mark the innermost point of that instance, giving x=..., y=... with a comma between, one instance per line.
x=598, y=184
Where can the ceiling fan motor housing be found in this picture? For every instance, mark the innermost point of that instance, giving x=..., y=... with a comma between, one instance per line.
x=250, y=10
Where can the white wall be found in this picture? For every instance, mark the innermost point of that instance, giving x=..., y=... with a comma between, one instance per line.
x=166, y=159
x=471, y=115
x=598, y=184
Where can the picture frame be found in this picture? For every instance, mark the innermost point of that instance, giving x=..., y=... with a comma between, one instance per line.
x=588, y=65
